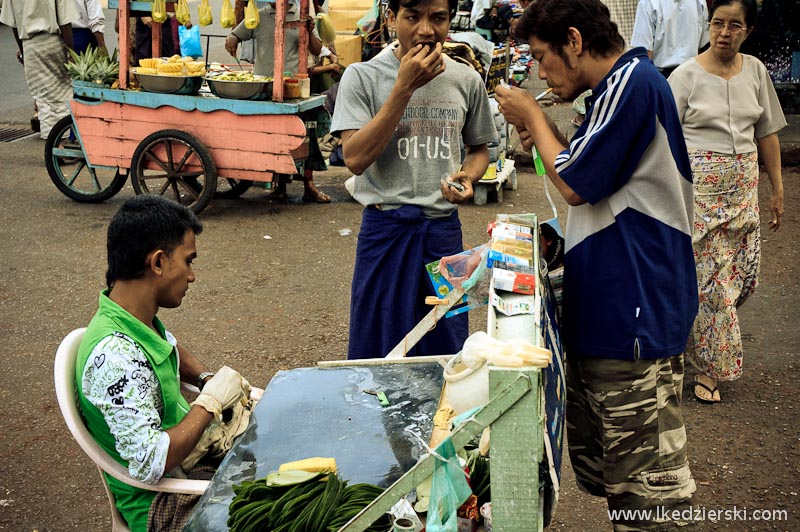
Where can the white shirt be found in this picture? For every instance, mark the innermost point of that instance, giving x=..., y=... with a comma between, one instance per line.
x=120, y=382
x=673, y=30
x=478, y=10
x=30, y=17
x=90, y=15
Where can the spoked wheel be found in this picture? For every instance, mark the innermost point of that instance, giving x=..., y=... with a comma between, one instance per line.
x=175, y=165
x=70, y=172
x=228, y=188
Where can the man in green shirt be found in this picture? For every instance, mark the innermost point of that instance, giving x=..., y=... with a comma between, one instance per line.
x=129, y=367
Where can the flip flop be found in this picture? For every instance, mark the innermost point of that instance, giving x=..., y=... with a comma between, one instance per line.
x=319, y=198
x=711, y=391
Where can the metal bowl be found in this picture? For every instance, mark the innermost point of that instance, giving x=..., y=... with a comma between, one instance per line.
x=170, y=84
x=241, y=90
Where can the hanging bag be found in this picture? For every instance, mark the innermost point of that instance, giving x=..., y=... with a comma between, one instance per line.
x=251, y=15
x=182, y=12
x=159, y=11
x=204, y=14
x=190, y=41
x=227, y=18
x=449, y=490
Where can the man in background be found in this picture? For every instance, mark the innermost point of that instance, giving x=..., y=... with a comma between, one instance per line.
x=43, y=31
x=672, y=31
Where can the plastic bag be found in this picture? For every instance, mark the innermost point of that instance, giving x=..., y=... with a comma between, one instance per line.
x=251, y=15
x=448, y=492
x=459, y=268
x=227, y=18
x=204, y=14
x=182, y=12
x=159, y=11
x=190, y=41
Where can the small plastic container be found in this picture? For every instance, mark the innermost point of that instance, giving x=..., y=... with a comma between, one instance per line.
x=305, y=85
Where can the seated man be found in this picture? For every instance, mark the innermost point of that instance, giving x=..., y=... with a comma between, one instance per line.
x=129, y=367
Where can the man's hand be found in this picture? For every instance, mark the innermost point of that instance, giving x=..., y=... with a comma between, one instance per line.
x=457, y=188
x=232, y=44
x=525, y=138
x=516, y=105
x=221, y=391
x=419, y=66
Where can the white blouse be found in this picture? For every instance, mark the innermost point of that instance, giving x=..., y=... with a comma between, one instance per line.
x=726, y=115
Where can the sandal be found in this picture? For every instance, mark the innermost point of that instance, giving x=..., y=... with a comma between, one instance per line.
x=711, y=391
x=319, y=197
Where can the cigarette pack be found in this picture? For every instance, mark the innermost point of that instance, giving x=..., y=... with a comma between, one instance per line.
x=511, y=281
x=512, y=304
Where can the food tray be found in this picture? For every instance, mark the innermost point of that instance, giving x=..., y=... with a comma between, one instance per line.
x=241, y=90
x=170, y=84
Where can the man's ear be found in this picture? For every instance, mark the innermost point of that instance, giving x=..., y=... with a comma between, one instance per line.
x=574, y=41
x=391, y=19
x=155, y=261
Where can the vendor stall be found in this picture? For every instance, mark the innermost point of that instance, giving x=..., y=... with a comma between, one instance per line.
x=185, y=128
x=391, y=423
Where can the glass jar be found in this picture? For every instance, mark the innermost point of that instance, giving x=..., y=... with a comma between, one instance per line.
x=291, y=89
x=305, y=85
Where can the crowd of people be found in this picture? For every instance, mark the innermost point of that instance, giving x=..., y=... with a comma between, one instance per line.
x=662, y=240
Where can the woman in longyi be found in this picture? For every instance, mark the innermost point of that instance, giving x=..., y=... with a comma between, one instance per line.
x=730, y=115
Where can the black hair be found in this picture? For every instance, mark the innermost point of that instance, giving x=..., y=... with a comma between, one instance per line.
x=395, y=5
x=549, y=20
x=748, y=6
x=143, y=224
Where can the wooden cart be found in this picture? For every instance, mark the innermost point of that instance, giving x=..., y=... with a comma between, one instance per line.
x=179, y=145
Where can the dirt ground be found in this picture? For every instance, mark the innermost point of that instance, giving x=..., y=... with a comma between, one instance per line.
x=272, y=293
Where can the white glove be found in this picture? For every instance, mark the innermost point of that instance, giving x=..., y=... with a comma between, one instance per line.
x=221, y=392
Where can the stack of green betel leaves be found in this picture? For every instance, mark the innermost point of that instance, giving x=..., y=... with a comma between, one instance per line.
x=300, y=501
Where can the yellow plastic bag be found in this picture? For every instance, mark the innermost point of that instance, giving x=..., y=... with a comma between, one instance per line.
x=204, y=13
x=182, y=12
x=227, y=18
x=159, y=11
x=251, y=15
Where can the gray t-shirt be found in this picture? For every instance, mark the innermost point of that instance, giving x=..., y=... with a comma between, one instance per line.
x=451, y=111
x=264, y=34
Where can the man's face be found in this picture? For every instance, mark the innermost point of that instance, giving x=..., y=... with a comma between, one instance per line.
x=426, y=23
x=560, y=76
x=177, y=272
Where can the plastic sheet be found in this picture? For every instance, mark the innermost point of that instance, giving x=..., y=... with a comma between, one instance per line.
x=325, y=412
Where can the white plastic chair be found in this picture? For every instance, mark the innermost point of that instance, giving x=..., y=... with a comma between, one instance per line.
x=64, y=373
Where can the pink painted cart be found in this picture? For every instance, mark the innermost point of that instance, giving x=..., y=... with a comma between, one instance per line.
x=178, y=145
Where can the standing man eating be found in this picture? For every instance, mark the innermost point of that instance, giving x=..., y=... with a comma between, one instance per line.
x=630, y=288
x=403, y=118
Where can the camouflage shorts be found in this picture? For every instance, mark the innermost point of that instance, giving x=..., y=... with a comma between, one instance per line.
x=627, y=440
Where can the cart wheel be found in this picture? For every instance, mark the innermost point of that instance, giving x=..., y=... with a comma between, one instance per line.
x=232, y=188
x=175, y=165
x=67, y=167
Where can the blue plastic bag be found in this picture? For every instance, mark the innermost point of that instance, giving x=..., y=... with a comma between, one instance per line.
x=449, y=490
x=190, y=41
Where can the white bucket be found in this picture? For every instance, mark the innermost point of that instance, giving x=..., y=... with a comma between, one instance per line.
x=466, y=388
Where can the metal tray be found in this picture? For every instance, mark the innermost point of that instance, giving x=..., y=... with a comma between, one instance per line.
x=241, y=90
x=170, y=84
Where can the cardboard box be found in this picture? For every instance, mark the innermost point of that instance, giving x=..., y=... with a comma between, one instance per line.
x=345, y=20
x=348, y=48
